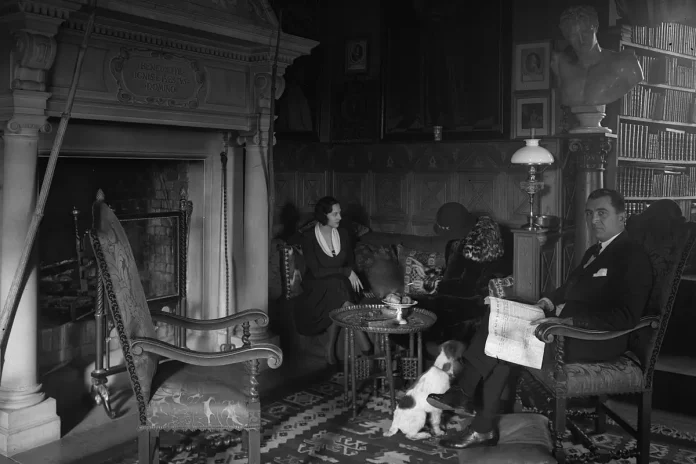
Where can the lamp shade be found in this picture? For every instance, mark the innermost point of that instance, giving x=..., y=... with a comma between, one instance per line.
x=532, y=153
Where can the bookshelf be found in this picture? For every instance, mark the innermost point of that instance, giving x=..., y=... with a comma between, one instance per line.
x=655, y=122
x=655, y=158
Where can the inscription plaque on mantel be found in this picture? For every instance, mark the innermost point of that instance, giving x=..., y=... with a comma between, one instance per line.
x=149, y=77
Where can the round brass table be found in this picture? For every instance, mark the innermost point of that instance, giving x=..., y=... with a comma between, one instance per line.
x=380, y=319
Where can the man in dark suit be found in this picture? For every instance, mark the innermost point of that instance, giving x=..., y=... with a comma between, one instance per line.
x=609, y=290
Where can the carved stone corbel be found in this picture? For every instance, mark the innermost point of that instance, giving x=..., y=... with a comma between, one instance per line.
x=34, y=25
x=590, y=152
x=33, y=55
x=262, y=91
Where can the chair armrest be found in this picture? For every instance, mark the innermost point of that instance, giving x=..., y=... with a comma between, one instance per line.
x=268, y=351
x=548, y=331
x=241, y=317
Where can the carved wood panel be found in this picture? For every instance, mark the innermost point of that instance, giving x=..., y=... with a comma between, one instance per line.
x=430, y=191
x=350, y=189
x=312, y=188
x=389, y=196
x=285, y=188
x=481, y=193
x=549, y=277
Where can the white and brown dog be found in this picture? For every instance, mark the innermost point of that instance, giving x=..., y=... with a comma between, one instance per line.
x=411, y=413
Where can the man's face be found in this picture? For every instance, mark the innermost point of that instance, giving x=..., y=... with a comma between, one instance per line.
x=602, y=218
x=581, y=36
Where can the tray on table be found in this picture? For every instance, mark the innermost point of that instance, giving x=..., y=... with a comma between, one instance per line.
x=380, y=318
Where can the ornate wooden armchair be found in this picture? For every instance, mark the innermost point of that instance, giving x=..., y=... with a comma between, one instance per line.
x=669, y=240
x=191, y=390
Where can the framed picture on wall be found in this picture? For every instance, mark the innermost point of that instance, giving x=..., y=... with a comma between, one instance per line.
x=356, y=56
x=531, y=66
x=531, y=112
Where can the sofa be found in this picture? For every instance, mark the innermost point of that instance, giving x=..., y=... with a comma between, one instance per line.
x=450, y=277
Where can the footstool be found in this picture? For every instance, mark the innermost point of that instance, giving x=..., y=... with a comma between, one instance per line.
x=524, y=439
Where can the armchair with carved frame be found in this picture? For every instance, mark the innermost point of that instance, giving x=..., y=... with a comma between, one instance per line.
x=189, y=390
x=668, y=239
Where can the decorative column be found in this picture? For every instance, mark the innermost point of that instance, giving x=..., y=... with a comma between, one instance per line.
x=256, y=207
x=27, y=418
x=590, y=152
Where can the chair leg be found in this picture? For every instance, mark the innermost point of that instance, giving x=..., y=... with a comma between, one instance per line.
x=254, y=445
x=601, y=420
x=644, y=411
x=559, y=428
x=148, y=447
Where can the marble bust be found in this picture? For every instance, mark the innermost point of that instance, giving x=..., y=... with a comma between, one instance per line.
x=589, y=76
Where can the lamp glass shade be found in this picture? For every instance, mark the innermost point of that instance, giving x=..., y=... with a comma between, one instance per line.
x=532, y=153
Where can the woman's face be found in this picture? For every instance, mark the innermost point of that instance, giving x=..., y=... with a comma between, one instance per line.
x=334, y=217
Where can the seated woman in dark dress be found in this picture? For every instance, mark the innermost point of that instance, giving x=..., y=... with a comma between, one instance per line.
x=330, y=281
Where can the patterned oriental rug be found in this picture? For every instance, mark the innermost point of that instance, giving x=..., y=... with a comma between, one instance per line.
x=312, y=426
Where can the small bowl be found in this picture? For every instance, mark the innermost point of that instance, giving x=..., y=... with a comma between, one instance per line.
x=547, y=222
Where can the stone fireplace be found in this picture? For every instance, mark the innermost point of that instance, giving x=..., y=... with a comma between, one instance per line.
x=216, y=59
x=67, y=292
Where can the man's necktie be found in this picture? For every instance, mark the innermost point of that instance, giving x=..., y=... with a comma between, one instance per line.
x=594, y=252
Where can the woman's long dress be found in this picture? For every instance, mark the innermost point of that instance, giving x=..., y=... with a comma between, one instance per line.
x=325, y=283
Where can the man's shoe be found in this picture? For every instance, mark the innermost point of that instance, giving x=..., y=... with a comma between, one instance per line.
x=471, y=439
x=453, y=399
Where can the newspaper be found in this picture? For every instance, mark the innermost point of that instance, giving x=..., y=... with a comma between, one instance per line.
x=510, y=334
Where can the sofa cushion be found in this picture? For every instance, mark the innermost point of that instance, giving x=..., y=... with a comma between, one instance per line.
x=423, y=270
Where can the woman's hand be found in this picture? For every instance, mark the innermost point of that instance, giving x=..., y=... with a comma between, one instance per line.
x=355, y=281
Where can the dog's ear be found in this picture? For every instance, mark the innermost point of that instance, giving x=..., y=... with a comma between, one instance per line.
x=453, y=349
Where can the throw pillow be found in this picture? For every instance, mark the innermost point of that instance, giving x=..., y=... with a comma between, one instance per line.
x=423, y=270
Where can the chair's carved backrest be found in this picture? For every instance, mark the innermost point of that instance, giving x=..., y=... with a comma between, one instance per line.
x=125, y=297
x=668, y=239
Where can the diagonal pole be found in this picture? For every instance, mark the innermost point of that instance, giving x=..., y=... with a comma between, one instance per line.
x=9, y=311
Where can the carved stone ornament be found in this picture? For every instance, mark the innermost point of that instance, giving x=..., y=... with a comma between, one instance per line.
x=262, y=91
x=257, y=138
x=33, y=56
x=150, y=77
x=590, y=152
x=27, y=126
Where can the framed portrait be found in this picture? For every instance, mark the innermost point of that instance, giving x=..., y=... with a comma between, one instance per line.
x=356, y=56
x=427, y=78
x=531, y=112
x=531, y=66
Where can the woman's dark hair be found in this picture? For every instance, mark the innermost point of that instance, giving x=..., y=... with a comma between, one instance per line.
x=323, y=207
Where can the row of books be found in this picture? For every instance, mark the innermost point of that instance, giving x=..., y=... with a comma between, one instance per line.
x=637, y=181
x=667, y=70
x=635, y=207
x=640, y=141
x=661, y=104
x=673, y=37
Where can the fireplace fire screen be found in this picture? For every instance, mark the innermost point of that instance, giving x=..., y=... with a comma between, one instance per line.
x=159, y=241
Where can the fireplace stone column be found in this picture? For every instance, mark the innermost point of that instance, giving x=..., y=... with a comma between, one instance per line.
x=256, y=226
x=27, y=418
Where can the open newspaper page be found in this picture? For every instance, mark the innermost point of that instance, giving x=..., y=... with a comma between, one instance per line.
x=510, y=334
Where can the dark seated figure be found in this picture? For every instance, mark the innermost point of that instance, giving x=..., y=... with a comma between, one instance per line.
x=453, y=285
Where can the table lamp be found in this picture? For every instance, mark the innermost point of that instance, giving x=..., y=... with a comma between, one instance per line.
x=533, y=155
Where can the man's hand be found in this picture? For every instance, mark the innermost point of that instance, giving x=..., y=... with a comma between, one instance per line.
x=553, y=320
x=355, y=281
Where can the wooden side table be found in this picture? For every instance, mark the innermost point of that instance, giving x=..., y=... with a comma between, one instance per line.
x=379, y=319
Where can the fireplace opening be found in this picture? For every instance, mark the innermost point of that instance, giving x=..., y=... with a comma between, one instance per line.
x=67, y=272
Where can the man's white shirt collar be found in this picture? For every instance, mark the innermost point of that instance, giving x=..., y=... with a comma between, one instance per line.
x=603, y=245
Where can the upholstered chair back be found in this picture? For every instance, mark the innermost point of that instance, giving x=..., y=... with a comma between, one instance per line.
x=125, y=297
x=668, y=239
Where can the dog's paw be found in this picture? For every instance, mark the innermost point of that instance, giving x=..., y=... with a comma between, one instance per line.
x=389, y=433
x=419, y=436
x=439, y=432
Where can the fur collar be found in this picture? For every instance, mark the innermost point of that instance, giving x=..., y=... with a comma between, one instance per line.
x=485, y=242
